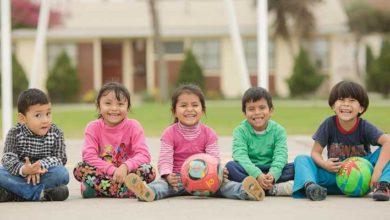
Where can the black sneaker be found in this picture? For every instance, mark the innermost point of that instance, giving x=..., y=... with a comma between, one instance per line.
x=59, y=193
x=6, y=196
x=316, y=192
x=382, y=192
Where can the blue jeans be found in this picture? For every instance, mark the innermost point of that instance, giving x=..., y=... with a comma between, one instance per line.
x=308, y=171
x=228, y=189
x=55, y=176
x=238, y=174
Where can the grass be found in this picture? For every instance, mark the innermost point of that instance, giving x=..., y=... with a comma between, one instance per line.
x=298, y=117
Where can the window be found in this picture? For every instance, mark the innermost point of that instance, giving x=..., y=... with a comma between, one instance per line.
x=320, y=54
x=207, y=53
x=174, y=47
x=250, y=48
x=54, y=50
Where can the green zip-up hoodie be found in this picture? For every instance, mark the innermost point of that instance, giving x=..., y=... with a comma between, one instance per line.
x=269, y=148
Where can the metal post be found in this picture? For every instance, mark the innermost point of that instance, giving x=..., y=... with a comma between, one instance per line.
x=262, y=43
x=237, y=45
x=35, y=76
x=6, y=67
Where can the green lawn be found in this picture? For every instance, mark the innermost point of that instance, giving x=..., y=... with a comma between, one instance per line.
x=302, y=117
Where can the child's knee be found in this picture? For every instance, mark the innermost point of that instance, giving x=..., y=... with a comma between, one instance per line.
x=231, y=165
x=302, y=158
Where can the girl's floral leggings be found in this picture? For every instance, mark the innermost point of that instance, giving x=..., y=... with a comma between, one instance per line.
x=95, y=183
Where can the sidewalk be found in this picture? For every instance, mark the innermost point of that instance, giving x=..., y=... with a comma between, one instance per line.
x=189, y=207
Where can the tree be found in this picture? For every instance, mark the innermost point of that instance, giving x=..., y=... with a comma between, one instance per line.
x=369, y=62
x=364, y=19
x=190, y=71
x=299, y=11
x=378, y=76
x=304, y=78
x=19, y=79
x=63, y=84
x=25, y=14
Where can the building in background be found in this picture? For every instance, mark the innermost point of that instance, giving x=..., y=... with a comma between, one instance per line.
x=112, y=40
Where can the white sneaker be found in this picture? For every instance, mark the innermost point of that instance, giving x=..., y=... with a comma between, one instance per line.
x=282, y=189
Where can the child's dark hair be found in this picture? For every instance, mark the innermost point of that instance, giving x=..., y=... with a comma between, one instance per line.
x=119, y=91
x=348, y=89
x=254, y=94
x=189, y=89
x=31, y=97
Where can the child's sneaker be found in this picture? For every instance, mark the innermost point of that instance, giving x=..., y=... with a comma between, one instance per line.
x=316, y=192
x=382, y=192
x=6, y=196
x=253, y=188
x=139, y=187
x=59, y=193
x=281, y=189
x=87, y=191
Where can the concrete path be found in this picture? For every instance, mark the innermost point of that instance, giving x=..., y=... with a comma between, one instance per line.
x=189, y=207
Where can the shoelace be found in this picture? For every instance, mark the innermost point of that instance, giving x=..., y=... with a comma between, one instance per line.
x=384, y=187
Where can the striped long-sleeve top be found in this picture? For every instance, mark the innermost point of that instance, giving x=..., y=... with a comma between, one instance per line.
x=178, y=142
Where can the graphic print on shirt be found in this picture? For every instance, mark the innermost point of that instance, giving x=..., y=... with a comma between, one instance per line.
x=116, y=157
x=336, y=150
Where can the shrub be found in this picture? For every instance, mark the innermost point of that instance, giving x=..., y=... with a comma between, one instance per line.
x=378, y=75
x=19, y=79
x=63, y=84
x=190, y=71
x=304, y=79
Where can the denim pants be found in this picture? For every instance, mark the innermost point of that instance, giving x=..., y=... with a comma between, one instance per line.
x=55, y=176
x=308, y=171
x=237, y=172
x=228, y=189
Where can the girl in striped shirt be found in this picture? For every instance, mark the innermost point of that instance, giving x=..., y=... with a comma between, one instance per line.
x=185, y=137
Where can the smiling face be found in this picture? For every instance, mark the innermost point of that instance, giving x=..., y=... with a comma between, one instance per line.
x=258, y=113
x=112, y=110
x=347, y=110
x=188, y=109
x=37, y=118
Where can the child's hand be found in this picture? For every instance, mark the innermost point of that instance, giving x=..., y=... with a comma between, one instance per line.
x=374, y=179
x=263, y=181
x=120, y=175
x=173, y=180
x=32, y=169
x=332, y=165
x=225, y=173
x=270, y=180
x=33, y=178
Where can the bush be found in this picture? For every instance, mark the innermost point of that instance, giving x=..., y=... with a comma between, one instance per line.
x=19, y=79
x=378, y=74
x=190, y=71
x=63, y=84
x=304, y=79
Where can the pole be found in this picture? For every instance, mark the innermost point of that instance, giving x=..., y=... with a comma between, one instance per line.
x=40, y=40
x=6, y=67
x=262, y=43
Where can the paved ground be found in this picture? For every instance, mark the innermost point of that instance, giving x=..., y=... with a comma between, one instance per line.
x=334, y=207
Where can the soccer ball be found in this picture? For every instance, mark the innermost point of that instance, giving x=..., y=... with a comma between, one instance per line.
x=201, y=174
x=354, y=175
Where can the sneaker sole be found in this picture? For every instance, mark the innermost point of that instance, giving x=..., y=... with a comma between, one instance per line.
x=253, y=188
x=136, y=185
x=380, y=197
x=318, y=194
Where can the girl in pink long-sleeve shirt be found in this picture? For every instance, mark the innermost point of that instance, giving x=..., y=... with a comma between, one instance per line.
x=113, y=147
x=185, y=137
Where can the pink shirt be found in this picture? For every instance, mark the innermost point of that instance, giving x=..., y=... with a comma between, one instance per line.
x=179, y=142
x=125, y=142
